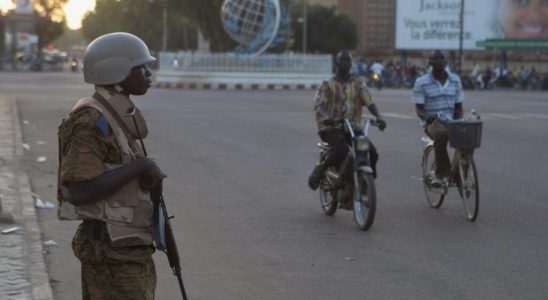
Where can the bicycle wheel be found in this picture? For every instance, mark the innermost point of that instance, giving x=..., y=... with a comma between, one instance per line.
x=365, y=206
x=434, y=196
x=469, y=187
x=328, y=201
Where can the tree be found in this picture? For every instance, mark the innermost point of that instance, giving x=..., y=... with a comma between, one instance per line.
x=142, y=18
x=135, y=17
x=206, y=16
x=50, y=20
x=328, y=31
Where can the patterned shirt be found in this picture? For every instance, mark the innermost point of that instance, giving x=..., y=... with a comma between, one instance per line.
x=338, y=100
x=438, y=99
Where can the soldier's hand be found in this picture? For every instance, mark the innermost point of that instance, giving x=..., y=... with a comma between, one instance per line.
x=153, y=177
x=382, y=124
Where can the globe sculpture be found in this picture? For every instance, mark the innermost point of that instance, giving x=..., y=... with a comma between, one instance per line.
x=254, y=24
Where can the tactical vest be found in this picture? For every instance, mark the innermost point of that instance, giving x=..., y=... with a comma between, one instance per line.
x=128, y=213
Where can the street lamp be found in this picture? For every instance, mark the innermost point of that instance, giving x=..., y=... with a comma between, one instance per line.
x=461, y=36
x=305, y=24
x=304, y=20
x=163, y=3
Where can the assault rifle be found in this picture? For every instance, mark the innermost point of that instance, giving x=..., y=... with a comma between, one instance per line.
x=163, y=234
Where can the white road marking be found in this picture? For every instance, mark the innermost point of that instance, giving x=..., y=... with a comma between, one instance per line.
x=400, y=116
x=501, y=116
x=485, y=116
x=536, y=116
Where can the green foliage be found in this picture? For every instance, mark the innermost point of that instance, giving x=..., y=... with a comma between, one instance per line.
x=51, y=9
x=143, y=18
x=69, y=39
x=328, y=31
x=50, y=20
x=48, y=30
x=206, y=15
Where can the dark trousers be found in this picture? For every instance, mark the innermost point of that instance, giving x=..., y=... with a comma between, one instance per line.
x=438, y=132
x=336, y=138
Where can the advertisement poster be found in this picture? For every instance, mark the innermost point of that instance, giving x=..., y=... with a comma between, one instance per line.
x=435, y=24
x=24, y=6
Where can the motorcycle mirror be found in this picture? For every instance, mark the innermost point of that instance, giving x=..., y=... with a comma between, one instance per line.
x=131, y=111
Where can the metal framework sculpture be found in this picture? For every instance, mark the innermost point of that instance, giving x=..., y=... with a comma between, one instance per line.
x=254, y=24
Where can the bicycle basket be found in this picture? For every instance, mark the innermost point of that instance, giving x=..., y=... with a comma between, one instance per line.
x=464, y=135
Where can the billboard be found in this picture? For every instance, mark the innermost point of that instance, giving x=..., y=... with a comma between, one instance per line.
x=24, y=6
x=435, y=24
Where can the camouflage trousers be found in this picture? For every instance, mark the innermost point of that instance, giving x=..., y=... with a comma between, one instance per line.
x=110, y=273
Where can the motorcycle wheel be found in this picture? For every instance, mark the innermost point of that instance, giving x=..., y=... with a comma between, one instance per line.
x=365, y=206
x=328, y=201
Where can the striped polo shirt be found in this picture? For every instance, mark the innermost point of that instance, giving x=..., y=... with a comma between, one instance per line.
x=438, y=99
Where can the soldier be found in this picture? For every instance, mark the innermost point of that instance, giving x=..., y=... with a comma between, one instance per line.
x=102, y=173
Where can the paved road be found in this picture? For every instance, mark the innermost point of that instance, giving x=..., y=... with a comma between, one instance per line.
x=249, y=228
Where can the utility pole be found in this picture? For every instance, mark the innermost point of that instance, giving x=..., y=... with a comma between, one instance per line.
x=164, y=33
x=461, y=36
x=163, y=4
x=305, y=24
x=289, y=36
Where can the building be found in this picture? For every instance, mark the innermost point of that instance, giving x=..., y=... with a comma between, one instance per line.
x=376, y=19
x=18, y=31
x=323, y=2
x=327, y=3
x=375, y=22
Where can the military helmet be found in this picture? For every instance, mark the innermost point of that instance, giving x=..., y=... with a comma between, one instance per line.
x=110, y=58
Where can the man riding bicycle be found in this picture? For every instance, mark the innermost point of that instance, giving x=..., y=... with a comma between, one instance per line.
x=340, y=97
x=438, y=98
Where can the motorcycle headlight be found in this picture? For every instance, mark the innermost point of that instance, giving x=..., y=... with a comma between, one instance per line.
x=375, y=76
x=362, y=144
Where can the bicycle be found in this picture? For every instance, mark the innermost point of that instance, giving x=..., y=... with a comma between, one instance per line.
x=464, y=137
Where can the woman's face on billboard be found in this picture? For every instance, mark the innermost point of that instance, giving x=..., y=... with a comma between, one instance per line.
x=524, y=19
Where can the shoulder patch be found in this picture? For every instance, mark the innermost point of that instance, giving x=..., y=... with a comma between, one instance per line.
x=102, y=124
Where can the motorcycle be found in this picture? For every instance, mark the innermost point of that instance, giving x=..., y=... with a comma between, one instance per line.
x=351, y=186
x=74, y=65
x=376, y=80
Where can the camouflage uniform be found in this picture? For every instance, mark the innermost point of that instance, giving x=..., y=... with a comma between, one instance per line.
x=107, y=272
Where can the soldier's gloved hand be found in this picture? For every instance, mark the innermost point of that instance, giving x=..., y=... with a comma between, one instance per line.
x=431, y=119
x=382, y=124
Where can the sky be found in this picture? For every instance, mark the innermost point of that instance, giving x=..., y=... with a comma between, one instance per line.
x=74, y=10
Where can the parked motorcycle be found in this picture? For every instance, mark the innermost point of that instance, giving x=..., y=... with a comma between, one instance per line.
x=469, y=83
x=351, y=186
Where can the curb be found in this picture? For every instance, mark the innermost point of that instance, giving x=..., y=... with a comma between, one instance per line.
x=41, y=288
x=235, y=86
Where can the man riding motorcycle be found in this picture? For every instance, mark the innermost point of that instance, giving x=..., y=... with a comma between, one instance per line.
x=340, y=97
